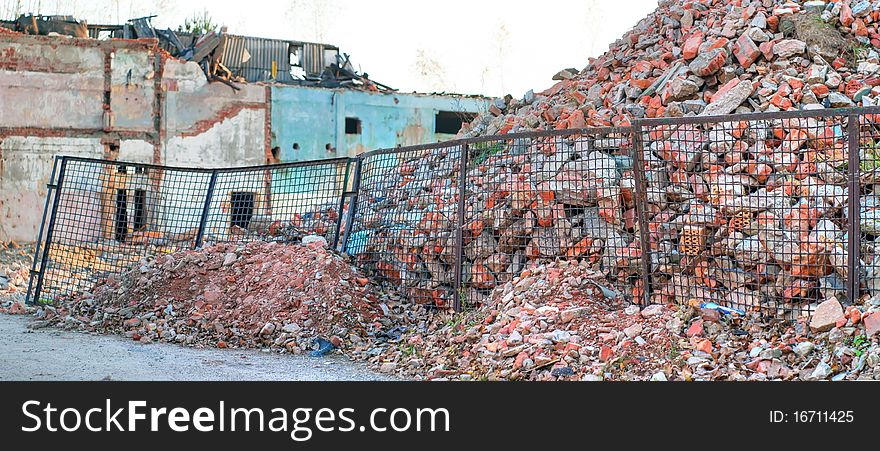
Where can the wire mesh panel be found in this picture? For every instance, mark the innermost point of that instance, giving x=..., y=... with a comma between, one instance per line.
x=111, y=215
x=404, y=224
x=869, y=204
x=551, y=196
x=280, y=202
x=748, y=212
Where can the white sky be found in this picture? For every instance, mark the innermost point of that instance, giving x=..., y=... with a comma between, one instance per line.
x=467, y=46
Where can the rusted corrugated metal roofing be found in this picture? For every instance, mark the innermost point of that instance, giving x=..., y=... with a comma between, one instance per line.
x=253, y=58
x=312, y=58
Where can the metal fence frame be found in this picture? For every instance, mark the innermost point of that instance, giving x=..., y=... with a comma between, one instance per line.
x=353, y=190
x=261, y=173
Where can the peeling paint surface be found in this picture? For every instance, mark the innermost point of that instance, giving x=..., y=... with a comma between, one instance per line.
x=25, y=168
x=315, y=117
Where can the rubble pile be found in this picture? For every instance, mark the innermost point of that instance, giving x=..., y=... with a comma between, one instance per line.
x=535, y=200
x=76, y=266
x=765, y=199
x=753, y=213
x=15, y=262
x=744, y=213
x=557, y=322
x=552, y=321
x=259, y=294
x=712, y=57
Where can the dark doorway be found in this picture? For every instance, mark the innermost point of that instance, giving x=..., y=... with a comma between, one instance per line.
x=140, y=210
x=121, y=218
x=242, y=209
x=450, y=122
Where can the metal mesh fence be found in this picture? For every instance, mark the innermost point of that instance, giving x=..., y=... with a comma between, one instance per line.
x=746, y=211
x=107, y=216
x=868, y=227
x=749, y=212
x=404, y=225
x=547, y=197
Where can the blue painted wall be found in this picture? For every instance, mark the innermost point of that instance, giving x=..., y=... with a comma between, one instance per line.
x=315, y=117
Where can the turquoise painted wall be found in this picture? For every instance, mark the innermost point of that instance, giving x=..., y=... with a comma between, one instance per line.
x=315, y=117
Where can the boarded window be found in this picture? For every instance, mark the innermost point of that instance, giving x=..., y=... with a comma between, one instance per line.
x=242, y=209
x=450, y=122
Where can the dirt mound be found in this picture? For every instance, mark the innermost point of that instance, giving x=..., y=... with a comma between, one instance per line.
x=261, y=294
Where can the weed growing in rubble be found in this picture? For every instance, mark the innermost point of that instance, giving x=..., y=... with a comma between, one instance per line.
x=408, y=350
x=860, y=344
x=454, y=321
x=674, y=355
x=861, y=52
x=871, y=158
x=482, y=151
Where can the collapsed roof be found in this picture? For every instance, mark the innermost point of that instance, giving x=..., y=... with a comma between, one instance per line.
x=224, y=57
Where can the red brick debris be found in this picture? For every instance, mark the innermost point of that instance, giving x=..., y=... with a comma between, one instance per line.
x=260, y=294
x=556, y=319
x=557, y=322
x=686, y=57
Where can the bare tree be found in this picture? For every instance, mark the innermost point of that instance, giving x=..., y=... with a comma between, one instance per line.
x=431, y=72
x=592, y=27
x=502, y=42
x=10, y=9
x=312, y=19
x=492, y=76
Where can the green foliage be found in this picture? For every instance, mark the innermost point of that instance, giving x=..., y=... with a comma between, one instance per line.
x=481, y=151
x=871, y=159
x=408, y=350
x=199, y=23
x=860, y=344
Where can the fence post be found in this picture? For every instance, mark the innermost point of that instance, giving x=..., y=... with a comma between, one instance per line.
x=50, y=189
x=50, y=228
x=459, y=226
x=353, y=203
x=204, y=219
x=853, y=226
x=342, y=193
x=640, y=196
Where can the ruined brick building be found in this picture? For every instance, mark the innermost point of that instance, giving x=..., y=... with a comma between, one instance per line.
x=128, y=100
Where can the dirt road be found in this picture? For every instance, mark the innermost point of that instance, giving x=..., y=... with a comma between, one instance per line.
x=52, y=354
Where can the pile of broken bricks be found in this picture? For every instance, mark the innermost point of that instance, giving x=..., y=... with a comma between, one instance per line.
x=711, y=57
x=745, y=212
x=749, y=213
x=255, y=295
x=552, y=323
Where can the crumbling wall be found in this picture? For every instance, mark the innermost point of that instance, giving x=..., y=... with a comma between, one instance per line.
x=48, y=86
x=118, y=99
x=210, y=124
x=25, y=167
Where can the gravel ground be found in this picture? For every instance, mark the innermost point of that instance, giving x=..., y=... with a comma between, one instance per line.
x=51, y=354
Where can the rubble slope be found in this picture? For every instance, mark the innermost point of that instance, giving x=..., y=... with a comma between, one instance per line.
x=714, y=57
x=259, y=294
